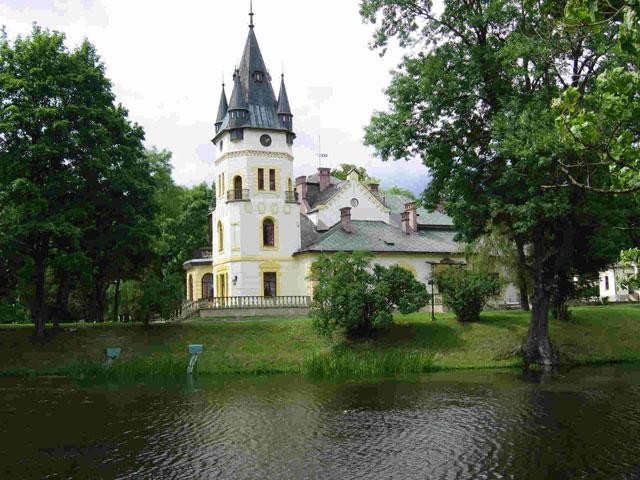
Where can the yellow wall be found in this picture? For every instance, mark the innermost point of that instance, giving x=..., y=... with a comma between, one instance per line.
x=197, y=272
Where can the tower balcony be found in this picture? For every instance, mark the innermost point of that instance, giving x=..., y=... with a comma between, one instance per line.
x=290, y=196
x=238, y=195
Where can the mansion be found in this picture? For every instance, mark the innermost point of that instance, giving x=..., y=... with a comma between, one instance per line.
x=269, y=227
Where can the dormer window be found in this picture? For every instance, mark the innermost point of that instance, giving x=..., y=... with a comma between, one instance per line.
x=258, y=76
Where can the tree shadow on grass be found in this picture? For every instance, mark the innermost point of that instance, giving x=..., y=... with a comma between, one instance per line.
x=433, y=336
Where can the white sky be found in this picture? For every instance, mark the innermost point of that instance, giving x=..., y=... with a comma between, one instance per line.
x=166, y=60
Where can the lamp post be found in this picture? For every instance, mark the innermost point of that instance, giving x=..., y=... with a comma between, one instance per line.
x=431, y=282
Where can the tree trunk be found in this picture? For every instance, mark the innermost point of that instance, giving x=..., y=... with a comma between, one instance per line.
x=39, y=309
x=559, y=308
x=62, y=302
x=537, y=348
x=116, y=301
x=522, y=276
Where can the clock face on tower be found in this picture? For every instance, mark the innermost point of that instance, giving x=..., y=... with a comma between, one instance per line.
x=265, y=140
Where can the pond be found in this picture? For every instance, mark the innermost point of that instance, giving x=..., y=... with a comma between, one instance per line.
x=584, y=423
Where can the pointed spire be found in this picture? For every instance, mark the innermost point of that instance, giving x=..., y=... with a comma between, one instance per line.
x=251, y=14
x=237, y=101
x=283, y=99
x=223, y=106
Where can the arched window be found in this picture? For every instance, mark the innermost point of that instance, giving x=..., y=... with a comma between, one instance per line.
x=237, y=187
x=289, y=185
x=207, y=285
x=220, y=237
x=268, y=233
x=191, y=287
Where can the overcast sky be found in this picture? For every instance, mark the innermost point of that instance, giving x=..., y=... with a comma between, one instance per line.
x=166, y=60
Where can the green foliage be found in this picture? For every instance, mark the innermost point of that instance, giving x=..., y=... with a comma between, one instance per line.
x=351, y=295
x=75, y=186
x=345, y=168
x=630, y=259
x=466, y=292
x=602, y=123
x=399, y=191
x=472, y=99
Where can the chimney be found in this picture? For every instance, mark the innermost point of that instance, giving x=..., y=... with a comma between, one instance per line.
x=412, y=215
x=324, y=177
x=301, y=187
x=345, y=219
x=373, y=187
x=404, y=222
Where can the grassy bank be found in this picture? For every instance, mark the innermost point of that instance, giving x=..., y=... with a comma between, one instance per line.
x=414, y=344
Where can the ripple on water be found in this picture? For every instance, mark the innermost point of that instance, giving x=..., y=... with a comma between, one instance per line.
x=579, y=425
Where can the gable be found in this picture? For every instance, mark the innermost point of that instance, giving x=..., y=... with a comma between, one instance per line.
x=368, y=206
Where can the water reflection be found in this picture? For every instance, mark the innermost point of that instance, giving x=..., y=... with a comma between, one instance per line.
x=578, y=424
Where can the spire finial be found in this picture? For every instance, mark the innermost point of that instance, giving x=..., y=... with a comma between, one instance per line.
x=250, y=13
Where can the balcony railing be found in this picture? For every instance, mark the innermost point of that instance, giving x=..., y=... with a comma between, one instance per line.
x=218, y=303
x=238, y=195
x=291, y=196
x=204, y=252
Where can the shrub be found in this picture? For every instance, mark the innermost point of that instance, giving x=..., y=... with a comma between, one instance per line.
x=466, y=292
x=353, y=295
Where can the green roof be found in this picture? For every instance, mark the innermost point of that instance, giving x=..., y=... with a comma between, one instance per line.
x=376, y=236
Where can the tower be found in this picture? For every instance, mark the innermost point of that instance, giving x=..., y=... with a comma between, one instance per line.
x=256, y=223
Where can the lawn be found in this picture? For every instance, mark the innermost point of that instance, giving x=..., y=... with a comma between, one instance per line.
x=414, y=344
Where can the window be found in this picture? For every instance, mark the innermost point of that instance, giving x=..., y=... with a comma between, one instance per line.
x=191, y=287
x=354, y=202
x=237, y=187
x=258, y=76
x=237, y=134
x=606, y=282
x=270, y=284
x=207, y=285
x=272, y=179
x=261, y=179
x=220, y=237
x=221, y=285
x=268, y=233
x=289, y=185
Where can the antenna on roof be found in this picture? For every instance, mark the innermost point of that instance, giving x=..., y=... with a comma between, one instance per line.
x=250, y=13
x=320, y=154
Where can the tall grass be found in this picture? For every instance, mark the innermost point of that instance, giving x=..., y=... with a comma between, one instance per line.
x=344, y=362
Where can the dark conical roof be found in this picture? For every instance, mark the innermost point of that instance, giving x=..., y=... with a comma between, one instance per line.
x=222, y=106
x=257, y=91
x=283, y=99
x=237, y=101
x=253, y=93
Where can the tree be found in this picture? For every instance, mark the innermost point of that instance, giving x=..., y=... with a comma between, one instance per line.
x=399, y=191
x=466, y=292
x=73, y=177
x=353, y=295
x=495, y=252
x=603, y=123
x=345, y=168
x=473, y=102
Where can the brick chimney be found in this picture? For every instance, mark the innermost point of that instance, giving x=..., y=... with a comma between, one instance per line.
x=324, y=178
x=345, y=219
x=404, y=222
x=373, y=187
x=301, y=187
x=412, y=215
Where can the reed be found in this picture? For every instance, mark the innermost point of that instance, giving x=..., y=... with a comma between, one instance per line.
x=344, y=362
